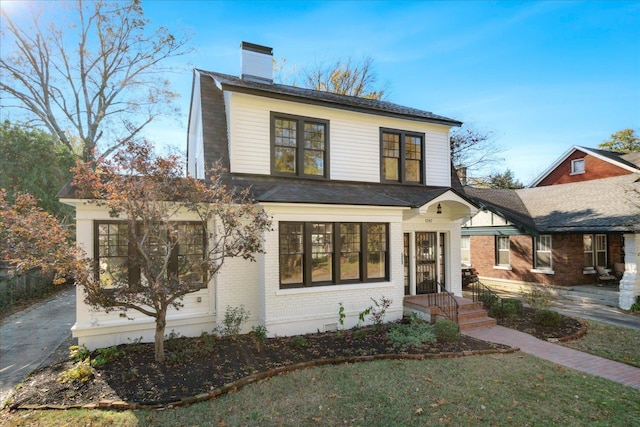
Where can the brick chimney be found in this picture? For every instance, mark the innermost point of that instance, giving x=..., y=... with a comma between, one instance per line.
x=257, y=63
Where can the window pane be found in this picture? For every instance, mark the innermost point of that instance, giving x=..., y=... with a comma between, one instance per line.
x=376, y=250
x=322, y=252
x=465, y=250
x=190, y=253
x=502, y=254
x=291, y=253
x=413, y=158
x=112, y=255
x=601, y=242
x=285, y=140
x=587, y=240
x=391, y=156
x=391, y=169
x=544, y=260
x=350, y=251
x=314, y=162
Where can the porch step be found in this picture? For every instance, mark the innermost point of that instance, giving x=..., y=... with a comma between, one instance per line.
x=471, y=315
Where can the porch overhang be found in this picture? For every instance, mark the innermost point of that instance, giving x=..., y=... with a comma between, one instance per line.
x=448, y=205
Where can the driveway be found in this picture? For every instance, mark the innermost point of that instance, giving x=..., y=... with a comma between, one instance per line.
x=27, y=338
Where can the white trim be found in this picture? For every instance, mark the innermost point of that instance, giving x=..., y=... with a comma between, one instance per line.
x=535, y=270
x=502, y=267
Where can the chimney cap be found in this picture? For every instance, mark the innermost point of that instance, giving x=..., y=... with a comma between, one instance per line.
x=257, y=48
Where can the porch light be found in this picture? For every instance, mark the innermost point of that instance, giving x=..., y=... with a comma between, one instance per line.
x=439, y=209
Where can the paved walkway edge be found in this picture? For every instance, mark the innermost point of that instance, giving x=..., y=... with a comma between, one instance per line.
x=564, y=356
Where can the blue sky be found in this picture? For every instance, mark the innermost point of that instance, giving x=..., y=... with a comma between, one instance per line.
x=542, y=76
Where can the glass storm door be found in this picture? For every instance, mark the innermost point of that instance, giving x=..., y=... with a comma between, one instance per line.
x=426, y=262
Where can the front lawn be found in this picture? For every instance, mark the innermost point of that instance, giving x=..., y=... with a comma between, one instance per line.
x=500, y=389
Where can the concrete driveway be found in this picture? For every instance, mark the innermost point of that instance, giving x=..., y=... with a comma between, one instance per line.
x=27, y=338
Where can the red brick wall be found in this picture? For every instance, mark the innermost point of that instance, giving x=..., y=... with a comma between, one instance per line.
x=567, y=262
x=594, y=169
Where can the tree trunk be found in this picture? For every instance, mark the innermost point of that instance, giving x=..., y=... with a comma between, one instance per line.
x=160, y=324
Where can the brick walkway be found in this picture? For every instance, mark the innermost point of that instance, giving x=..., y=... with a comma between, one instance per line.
x=568, y=357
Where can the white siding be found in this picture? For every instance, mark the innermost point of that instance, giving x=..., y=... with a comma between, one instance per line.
x=354, y=139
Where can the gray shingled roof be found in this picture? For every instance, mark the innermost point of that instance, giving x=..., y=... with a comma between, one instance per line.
x=370, y=106
x=293, y=190
x=609, y=204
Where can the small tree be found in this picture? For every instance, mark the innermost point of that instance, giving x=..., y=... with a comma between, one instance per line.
x=149, y=193
x=33, y=238
x=623, y=141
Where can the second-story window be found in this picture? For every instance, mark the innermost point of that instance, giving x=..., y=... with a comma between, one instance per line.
x=300, y=146
x=402, y=156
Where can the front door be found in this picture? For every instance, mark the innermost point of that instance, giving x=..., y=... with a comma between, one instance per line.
x=426, y=262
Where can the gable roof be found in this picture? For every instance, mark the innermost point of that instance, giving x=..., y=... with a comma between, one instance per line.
x=600, y=205
x=310, y=96
x=630, y=162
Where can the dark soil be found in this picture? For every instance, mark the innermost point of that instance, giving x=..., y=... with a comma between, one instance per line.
x=526, y=323
x=200, y=365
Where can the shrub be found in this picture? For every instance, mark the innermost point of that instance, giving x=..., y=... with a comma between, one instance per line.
x=81, y=371
x=446, y=330
x=260, y=332
x=548, y=318
x=488, y=299
x=379, y=309
x=105, y=355
x=234, y=317
x=414, y=333
x=539, y=297
x=508, y=307
x=79, y=353
x=635, y=307
x=299, y=341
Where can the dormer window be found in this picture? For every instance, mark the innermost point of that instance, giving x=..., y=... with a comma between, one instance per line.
x=300, y=146
x=402, y=156
x=577, y=166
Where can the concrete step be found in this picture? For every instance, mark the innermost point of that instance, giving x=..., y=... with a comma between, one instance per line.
x=471, y=314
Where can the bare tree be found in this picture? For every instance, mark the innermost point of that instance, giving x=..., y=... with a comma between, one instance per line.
x=344, y=76
x=473, y=151
x=107, y=87
x=160, y=259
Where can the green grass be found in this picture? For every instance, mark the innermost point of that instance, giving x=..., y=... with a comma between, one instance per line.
x=513, y=389
x=611, y=342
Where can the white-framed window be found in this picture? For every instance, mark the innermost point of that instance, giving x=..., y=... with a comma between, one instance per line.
x=577, y=166
x=465, y=251
x=502, y=251
x=543, y=252
x=595, y=250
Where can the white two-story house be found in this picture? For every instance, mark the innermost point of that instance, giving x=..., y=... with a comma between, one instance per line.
x=362, y=196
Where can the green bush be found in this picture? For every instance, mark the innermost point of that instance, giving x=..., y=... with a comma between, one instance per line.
x=260, y=332
x=446, y=330
x=299, y=341
x=547, y=318
x=488, y=299
x=414, y=333
x=105, y=355
x=234, y=317
x=635, y=307
x=508, y=307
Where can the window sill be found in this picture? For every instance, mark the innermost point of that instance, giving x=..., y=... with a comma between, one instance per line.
x=333, y=288
x=576, y=173
x=589, y=271
x=502, y=267
x=535, y=270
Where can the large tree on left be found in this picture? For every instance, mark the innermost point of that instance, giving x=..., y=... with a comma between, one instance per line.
x=89, y=71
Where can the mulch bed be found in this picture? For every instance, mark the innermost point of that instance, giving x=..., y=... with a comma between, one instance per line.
x=569, y=328
x=198, y=368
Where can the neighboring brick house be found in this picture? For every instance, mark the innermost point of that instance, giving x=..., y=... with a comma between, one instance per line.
x=557, y=234
x=361, y=193
x=584, y=164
